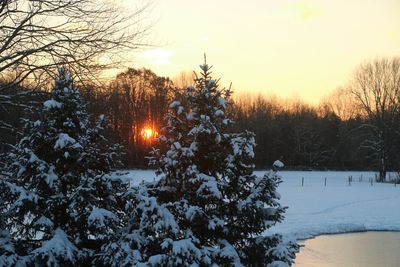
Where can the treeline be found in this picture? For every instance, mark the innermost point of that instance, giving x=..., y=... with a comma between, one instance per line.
x=302, y=136
x=355, y=127
x=337, y=134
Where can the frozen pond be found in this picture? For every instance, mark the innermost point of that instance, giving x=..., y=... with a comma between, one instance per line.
x=368, y=249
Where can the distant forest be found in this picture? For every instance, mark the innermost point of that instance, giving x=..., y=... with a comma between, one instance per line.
x=352, y=128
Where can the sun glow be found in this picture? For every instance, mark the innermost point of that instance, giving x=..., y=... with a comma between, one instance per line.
x=148, y=133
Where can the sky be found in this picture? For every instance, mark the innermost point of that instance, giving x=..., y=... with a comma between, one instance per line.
x=288, y=48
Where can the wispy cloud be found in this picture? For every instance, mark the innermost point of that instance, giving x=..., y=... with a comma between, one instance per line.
x=158, y=56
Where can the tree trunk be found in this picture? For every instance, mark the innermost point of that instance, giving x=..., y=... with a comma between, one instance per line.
x=382, y=170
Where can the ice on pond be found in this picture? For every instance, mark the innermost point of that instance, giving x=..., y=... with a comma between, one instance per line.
x=369, y=249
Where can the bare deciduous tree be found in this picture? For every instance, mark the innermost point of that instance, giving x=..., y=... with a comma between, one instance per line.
x=376, y=88
x=138, y=99
x=183, y=79
x=38, y=35
x=341, y=102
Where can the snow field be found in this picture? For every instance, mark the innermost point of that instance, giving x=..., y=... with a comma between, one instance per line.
x=337, y=208
x=315, y=209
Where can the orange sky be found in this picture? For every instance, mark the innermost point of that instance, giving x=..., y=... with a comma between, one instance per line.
x=289, y=48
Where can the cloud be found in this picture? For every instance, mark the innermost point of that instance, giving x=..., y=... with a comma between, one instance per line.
x=158, y=56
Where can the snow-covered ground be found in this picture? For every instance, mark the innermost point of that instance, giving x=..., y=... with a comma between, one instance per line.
x=316, y=209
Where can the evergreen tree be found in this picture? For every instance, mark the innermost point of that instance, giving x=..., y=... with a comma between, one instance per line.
x=218, y=209
x=152, y=236
x=60, y=202
x=8, y=256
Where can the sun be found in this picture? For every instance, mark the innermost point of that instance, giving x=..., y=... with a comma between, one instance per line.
x=148, y=133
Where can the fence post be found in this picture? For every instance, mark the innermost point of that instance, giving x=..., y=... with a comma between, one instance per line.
x=349, y=180
x=325, y=181
x=302, y=181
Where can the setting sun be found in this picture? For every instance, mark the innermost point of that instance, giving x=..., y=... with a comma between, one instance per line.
x=148, y=133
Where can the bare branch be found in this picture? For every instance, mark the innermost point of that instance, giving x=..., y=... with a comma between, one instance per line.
x=376, y=87
x=36, y=35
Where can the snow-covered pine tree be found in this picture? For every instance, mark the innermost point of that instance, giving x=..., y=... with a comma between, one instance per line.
x=227, y=208
x=8, y=256
x=61, y=204
x=152, y=236
x=208, y=208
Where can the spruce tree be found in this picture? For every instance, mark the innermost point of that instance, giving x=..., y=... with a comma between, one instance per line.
x=61, y=203
x=218, y=209
x=8, y=255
